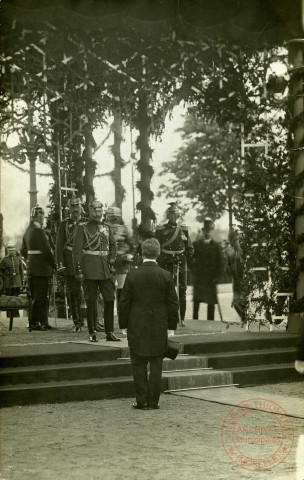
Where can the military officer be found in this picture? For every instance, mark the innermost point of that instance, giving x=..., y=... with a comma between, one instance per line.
x=176, y=251
x=12, y=266
x=64, y=258
x=94, y=252
x=124, y=255
x=37, y=251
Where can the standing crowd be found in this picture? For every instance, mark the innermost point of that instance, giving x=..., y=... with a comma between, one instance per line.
x=93, y=258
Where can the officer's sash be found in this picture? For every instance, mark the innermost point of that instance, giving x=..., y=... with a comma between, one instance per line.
x=168, y=242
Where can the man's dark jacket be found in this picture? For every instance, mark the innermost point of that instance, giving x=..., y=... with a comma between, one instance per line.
x=38, y=264
x=148, y=307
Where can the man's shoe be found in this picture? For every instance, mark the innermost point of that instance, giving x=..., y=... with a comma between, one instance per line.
x=111, y=337
x=100, y=327
x=183, y=323
x=139, y=406
x=93, y=338
x=46, y=327
x=77, y=328
x=36, y=327
x=153, y=407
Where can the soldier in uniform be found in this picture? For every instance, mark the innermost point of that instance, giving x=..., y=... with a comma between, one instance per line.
x=124, y=255
x=12, y=267
x=64, y=258
x=37, y=251
x=94, y=253
x=176, y=251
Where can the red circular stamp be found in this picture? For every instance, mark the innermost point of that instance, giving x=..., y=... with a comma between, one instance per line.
x=257, y=434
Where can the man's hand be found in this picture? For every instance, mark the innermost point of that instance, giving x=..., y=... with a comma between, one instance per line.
x=79, y=277
x=60, y=268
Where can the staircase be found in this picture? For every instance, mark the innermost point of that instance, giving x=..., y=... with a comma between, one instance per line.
x=65, y=372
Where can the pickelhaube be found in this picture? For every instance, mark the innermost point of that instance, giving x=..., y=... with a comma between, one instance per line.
x=115, y=211
x=74, y=201
x=95, y=204
x=173, y=208
x=37, y=210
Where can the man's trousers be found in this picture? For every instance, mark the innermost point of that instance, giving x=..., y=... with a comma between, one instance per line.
x=40, y=305
x=74, y=297
x=147, y=387
x=210, y=310
x=107, y=290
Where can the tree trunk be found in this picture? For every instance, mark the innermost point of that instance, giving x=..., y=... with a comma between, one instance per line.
x=117, y=127
x=89, y=166
x=33, y=185
x=296, y=51
x=144, y=147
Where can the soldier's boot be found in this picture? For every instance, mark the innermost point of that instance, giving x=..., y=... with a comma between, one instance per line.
x=182, y=305
x=91, y=320
x=77, y=326
x=109, y=322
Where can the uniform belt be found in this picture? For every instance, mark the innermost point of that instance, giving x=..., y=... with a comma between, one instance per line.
x=34, y=252
x=172, y=252
x=93, y=252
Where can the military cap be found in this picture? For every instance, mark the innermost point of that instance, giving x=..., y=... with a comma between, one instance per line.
x=37, y=210
x=74, y=201
x=208, y=223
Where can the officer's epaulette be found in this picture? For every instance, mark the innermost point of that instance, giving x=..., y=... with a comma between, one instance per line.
x=160, y=227
x=37, y=224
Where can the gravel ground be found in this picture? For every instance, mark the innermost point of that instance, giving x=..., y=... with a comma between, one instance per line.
x=109, y=440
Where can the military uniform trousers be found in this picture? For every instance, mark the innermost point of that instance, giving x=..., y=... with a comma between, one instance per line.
x=74, y=296
x=147, y=388
x=107, y=290
x=40, y=305
x=182, y=287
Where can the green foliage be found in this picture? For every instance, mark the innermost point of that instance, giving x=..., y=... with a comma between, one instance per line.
x=204, y=168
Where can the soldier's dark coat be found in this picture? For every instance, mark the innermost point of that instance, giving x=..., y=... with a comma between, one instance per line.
x=12, y=264
x=181, y=243
x=64, y=243
x=42, y=264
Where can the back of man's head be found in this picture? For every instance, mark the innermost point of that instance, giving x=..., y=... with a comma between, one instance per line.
x=150, y=248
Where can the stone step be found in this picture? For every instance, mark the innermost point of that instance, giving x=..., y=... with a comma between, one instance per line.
x=87, y=370
x=195, y=345
x=110, y=387
x=265, y=374
x=94, y=389
x=251, y=358
x=53, y=354
x=199, y=378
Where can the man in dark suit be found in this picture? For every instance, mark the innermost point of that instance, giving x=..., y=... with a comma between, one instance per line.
x=206, y=266
x=148, y=307
x=37, y=251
